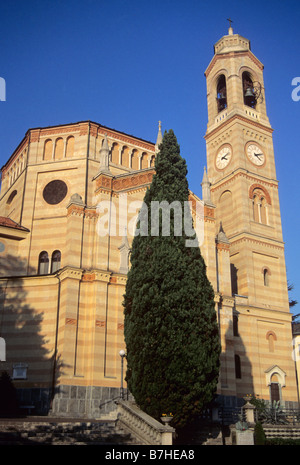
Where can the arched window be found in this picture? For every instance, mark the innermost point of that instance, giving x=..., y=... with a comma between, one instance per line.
x=43, y=267
x=48, y=148
x=260, y=203
x=152, y=161
x=271, y=338
x=237, y=365
x=115, y=150
x=144, y=161
x=70, y=147
x=275, y=379
x=226, y=207
x=11, y=197
x=221, y=93
x=135, y=162
x=125, y=157
x=59, y=149
x=248, y=91
x=55, y=261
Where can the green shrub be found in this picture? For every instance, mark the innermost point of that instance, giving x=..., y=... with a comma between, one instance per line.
x=259, y=434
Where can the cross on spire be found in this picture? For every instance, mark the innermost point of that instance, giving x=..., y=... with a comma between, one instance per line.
x=230, y=30
x=230, y=21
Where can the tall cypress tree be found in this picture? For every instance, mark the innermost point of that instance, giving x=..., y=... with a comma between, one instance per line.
x=171, y=332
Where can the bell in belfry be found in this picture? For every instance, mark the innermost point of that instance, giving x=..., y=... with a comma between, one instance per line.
x=249, y=92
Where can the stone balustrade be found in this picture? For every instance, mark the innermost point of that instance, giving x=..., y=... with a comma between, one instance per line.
x=144, y=428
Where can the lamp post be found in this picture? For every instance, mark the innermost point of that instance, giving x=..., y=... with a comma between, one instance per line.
x=122, y=355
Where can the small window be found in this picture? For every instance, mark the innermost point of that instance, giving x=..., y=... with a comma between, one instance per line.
x=235, y=322
x=237, y=364
x=266, y=273
x=234, y=279
x=43, y=267
x=55, y=262
x=20, y=371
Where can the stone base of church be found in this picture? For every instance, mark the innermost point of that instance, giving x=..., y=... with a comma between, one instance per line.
x=70, y=401
x=84, y=401
x=92, y=402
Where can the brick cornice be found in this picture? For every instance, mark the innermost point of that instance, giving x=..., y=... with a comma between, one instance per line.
x=23, y=144
x=128, y=182
x=260, y=242
x=75, y=210
x=126, y=138
x=258, y=182
x=231, y=119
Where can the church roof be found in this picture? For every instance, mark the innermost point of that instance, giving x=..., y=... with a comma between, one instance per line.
x=9, y=223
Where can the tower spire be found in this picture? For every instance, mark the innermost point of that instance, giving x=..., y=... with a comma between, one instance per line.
x=205, y=187
x=159, y=137
x=104, y=156
x=230, y=30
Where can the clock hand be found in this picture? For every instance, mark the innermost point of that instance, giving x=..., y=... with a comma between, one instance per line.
x=258, y=154
x=224, y=156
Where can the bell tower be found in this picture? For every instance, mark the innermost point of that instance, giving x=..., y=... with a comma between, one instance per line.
x=241, y=170
x=253, y=310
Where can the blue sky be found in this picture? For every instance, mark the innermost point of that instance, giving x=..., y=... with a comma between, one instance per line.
x=129, y=64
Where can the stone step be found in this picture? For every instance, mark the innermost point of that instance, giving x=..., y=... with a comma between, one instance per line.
x=78, y=433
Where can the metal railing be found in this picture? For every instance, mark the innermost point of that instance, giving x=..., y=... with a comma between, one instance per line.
x=272, y=415
x=231, y=415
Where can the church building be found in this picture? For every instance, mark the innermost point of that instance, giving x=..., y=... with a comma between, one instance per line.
x=69, y=200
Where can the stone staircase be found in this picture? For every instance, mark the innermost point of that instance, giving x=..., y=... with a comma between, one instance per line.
x=46, y=431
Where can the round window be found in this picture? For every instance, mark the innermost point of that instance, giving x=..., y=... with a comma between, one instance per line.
x=55, y=191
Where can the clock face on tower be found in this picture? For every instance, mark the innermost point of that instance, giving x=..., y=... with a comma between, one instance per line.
x=223, y=156
x=255, y=154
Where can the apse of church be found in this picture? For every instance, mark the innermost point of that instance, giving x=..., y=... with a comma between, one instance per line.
x=63, y=280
